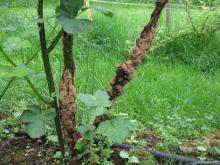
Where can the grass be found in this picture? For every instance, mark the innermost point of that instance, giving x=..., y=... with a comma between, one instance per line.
x=169, y=93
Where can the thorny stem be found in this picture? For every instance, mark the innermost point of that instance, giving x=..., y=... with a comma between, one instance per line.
x=125, y=72
x=48, y=72
x=68, y=91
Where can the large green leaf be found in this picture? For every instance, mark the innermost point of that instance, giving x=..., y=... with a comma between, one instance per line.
x=97, y=103
x=36, y=129
x=49, y=114
x=67, y=12
x=98, y=111
x=37, y=120
x=98, y=8
x=87, y=131
x=99, y=99
x=116, y=129
x=69, y=8
x=31, y=115
x=75, y=26
x=124, y=154
x=102, y=99
x=87, y=99
x=133, y=160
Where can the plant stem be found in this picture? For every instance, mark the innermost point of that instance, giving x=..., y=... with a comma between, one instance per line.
x=68, y=91
x=50, y=49
x=32, y=57
x=7, y=87
x=7, y=57
x=125, y=72
x=35, y=90
x=48, y=72
x=55, y=41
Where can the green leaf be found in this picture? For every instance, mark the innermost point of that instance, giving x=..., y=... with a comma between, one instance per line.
x=123, y=154
x=31, y=115
x=52, y=138
x=217, y=149
x=84, y=128
x=98, y=111
x=66, y=13
x=69, y=8
x=75, y=26
x=98, y=8
x=37, y=119
x=116, y=129
x=201, y=148
x=133, y=159
x=102, y=98
x=87, y=99
x=87, y=131
x=57, y=155
x=49, y=114
x=36, y=129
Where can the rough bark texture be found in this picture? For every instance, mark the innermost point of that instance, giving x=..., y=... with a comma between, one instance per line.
x=68, y=91
x=126, y=71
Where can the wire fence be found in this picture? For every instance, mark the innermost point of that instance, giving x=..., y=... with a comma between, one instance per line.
x=173, y=6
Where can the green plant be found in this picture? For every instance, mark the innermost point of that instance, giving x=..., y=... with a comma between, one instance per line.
x=66, y=13
x=95, y=143
x=137, y=157
x=37, y=120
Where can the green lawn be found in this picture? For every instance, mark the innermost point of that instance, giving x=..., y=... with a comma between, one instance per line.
x=166, y=95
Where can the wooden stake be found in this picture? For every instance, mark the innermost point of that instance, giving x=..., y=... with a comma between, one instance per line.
x=89, y=14
x=168, y=19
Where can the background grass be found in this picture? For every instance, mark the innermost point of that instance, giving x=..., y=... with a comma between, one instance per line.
x=176, y=89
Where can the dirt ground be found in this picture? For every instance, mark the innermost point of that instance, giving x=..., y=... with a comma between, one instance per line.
x=24, y=151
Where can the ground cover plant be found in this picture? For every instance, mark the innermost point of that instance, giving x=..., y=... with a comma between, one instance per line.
x=174, y=99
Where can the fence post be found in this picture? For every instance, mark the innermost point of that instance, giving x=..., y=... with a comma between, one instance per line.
x=89, y=14
x=168, y=18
